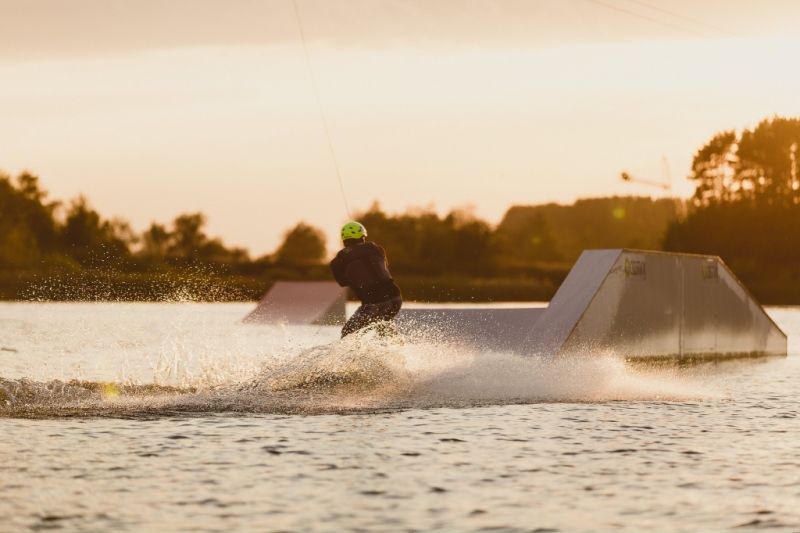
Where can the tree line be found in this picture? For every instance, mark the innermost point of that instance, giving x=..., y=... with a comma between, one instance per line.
x=746, y=208
x=38, y=233
x=452, y=256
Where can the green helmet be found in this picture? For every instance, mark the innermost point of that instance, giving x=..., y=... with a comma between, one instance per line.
x=353, y=230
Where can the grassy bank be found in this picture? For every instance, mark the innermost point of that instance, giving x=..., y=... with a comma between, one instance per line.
x=114, y=286
x=209, y=287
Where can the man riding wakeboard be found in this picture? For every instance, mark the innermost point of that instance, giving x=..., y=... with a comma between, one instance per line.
x=362, y=266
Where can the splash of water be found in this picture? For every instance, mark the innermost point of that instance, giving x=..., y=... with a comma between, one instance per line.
x=360, y=373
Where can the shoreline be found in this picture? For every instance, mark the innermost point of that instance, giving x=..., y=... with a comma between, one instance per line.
x=204, y=287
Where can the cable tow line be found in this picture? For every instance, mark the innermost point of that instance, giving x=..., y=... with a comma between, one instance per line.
x=321, y=109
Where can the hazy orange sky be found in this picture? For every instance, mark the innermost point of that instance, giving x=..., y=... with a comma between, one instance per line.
x=152, y=108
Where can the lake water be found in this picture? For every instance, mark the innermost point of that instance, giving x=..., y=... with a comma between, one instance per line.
x=176, y=417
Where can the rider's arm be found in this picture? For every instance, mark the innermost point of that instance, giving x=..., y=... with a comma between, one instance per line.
x=338, y=269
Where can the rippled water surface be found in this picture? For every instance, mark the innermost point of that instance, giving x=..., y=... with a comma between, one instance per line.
x=175, y=417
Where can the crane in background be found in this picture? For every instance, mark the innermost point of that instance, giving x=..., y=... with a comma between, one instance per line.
x=666, y=184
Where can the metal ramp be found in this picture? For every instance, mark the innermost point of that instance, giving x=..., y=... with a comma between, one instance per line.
x=651, y=305
x=486, y=329
x=634, y=304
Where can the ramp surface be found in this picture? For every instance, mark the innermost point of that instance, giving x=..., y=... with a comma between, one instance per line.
x=655, y=305
x=487, y=329
x=633, y=304
x=301, y=302
x=569, y=303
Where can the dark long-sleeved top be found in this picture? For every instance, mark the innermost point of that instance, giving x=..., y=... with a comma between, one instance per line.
x=363, y=267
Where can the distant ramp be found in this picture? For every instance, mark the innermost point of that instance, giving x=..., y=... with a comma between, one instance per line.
x=301, y=302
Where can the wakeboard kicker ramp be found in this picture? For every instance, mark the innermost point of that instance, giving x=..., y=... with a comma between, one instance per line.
x=301, y=302
x=639, y=305
x=654, y=305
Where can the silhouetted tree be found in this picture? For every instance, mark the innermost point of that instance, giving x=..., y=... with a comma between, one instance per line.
x=768, y=161
x=91, y=240
x=759, y=165
x=472, y=250
x=214, y=251
x=188, y=236
x=302, y=245
x=187, y=243
x=713, y=170
x=746, y=207
x=155, y=241
x=27, y=227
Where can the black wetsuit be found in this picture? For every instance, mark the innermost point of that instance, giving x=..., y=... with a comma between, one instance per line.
x=363, y=268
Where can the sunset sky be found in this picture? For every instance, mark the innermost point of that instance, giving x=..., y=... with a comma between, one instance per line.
x=154, y=108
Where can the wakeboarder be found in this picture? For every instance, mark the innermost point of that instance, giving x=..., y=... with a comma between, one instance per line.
x=362, y=266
